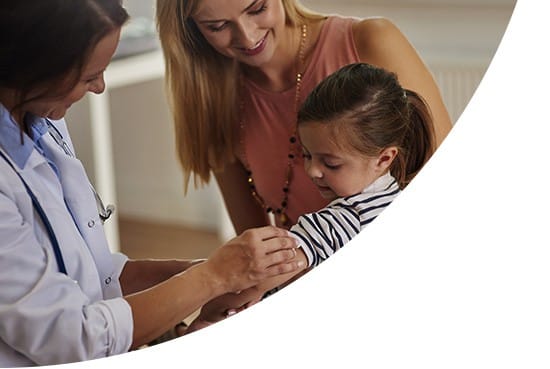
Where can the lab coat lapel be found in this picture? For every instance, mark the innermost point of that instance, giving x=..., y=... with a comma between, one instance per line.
x=81, y=202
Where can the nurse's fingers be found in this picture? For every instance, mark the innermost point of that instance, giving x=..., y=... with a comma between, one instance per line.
x=253, y=256
x=268, y=239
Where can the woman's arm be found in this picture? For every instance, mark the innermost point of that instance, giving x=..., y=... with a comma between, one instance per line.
x=230, y=303
x=240, y=264
x=138, y=275
x=381, y=43
x=243, y=209
x=318, y=239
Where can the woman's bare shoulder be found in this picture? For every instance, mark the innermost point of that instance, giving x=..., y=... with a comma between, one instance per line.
x=374, y=35
x=374, y=26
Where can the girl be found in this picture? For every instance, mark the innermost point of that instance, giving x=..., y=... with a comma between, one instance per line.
x=364, y=139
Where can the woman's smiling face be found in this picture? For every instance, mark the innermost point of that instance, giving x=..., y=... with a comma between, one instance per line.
x=246, y=30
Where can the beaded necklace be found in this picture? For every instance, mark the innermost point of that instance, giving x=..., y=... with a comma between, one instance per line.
x=279, y=212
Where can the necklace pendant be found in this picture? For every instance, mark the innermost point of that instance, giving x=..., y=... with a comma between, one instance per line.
x=283, y=218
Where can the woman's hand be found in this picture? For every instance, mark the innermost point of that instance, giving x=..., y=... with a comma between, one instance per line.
x=241, y=263
x=229, y=304
x=225, y=306
x=255, y=255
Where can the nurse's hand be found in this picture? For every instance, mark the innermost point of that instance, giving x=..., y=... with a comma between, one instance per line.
x=224, y=306
x=221, y=307
x=255, y=255
x=243, y=262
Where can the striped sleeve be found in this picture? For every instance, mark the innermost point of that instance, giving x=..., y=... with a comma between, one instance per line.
x=321, y=234
x=369, y=208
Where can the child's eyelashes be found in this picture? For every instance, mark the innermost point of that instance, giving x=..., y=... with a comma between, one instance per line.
x=332, y=166
x=329, y=166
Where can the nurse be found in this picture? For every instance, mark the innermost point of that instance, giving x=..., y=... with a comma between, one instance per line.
x=63, y=296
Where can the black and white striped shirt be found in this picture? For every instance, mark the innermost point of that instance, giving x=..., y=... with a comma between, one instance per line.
x=322, y=233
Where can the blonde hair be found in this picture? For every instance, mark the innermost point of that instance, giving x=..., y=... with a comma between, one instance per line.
x=202, y=88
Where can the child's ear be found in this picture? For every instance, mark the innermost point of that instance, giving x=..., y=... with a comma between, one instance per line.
x=386, y=157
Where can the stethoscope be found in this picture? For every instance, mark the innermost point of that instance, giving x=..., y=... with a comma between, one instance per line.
x=104, y=212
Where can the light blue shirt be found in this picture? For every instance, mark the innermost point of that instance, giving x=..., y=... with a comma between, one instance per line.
x=47, y=317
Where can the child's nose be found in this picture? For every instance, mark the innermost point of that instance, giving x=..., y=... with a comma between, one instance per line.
x=313, y=171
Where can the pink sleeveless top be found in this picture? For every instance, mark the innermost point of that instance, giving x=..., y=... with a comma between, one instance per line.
x=270, y=120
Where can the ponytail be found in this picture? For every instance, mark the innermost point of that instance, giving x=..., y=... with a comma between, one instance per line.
x=371, y=111
x=418, y=142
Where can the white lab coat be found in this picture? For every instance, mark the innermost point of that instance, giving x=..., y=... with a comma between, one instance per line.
x=47, y=317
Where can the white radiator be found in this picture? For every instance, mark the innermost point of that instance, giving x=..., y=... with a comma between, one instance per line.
x=457, y=84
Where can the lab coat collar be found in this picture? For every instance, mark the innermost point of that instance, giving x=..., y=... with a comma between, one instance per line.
x=10, y=139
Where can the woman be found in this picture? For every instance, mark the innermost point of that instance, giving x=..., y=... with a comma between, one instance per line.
x=63, y=296
x=238, y=69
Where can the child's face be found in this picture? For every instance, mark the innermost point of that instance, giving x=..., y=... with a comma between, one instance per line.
x=335, y=172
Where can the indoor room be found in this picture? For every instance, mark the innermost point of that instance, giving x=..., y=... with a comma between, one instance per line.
x=125, y=136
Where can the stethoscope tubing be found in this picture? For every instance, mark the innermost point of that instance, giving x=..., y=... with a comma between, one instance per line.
x=104, y=211
x=42, y=214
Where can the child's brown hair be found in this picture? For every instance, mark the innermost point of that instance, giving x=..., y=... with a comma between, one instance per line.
x=370, y=111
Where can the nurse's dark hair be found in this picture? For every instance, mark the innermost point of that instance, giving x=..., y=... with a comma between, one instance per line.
x=368, y=111
x=45, y=42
